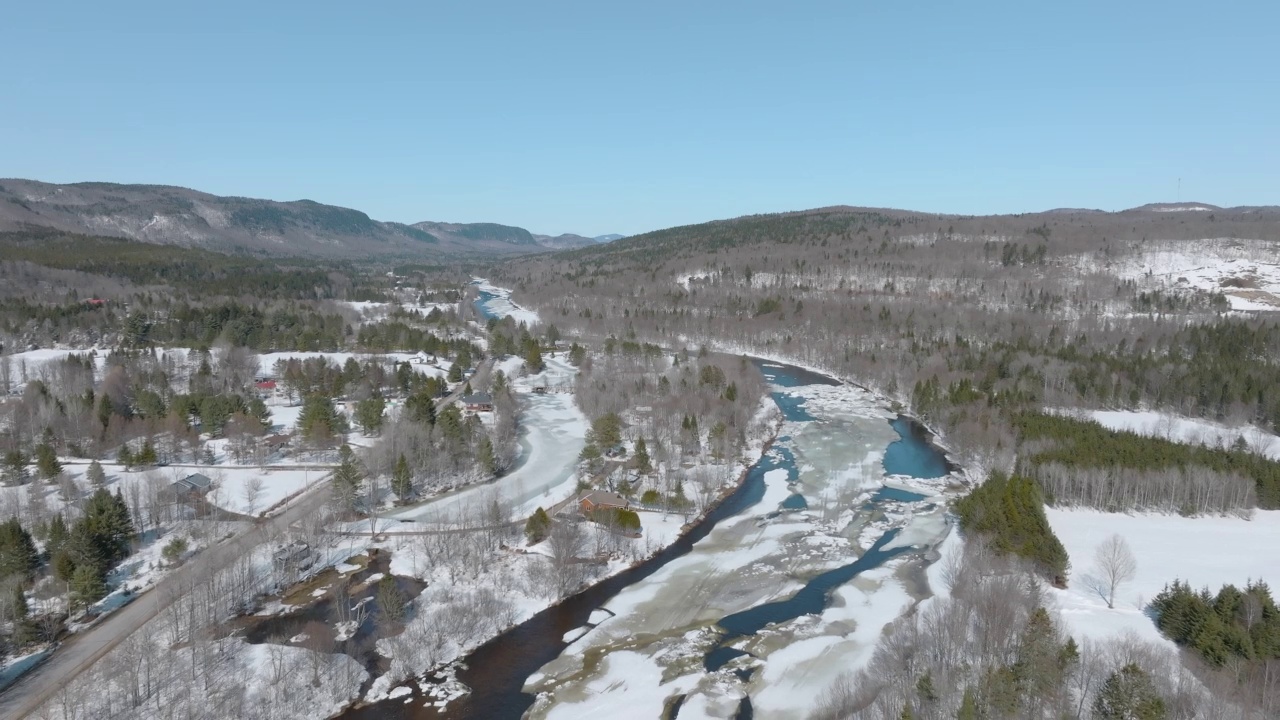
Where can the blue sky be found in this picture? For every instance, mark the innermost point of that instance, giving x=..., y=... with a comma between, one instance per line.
x=600, y=117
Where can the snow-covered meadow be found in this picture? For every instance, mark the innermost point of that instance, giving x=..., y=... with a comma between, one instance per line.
x=1204, y=551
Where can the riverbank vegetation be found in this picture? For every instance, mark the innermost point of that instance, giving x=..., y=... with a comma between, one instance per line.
x=1010, y=510
x=681, y=415
x=992, y=647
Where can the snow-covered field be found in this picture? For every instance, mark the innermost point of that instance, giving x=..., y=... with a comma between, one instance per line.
x=35, y=364
x=249, y=491
x=1246, y=271
x=1180, y=429
x=1204, y=551
x=502, y=305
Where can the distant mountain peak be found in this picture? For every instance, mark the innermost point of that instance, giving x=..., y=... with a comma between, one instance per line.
x=1176, y=207
x=171, y=215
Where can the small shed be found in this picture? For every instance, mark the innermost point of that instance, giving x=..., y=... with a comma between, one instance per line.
x=602, y=500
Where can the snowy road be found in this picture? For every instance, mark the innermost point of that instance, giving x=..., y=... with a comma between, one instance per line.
x=83, y=650
x=555, y=433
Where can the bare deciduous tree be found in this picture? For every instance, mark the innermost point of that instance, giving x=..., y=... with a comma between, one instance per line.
x=1116, y=566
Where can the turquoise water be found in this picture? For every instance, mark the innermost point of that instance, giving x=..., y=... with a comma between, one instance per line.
x=481, y=306
x=913, y=455
x=498, y=669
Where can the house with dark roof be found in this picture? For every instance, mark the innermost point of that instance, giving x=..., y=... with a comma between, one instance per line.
x=193, y=484
x=190, y=491
x=602, y=500
x=478, y=402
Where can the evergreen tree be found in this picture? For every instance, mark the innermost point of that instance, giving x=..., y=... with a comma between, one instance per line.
x=96, y=475
x=57, y=535
x=18, y=554
x=968, y=706
x=420, y=407
x=64, y=566
x=455, y=372
x=484, y=455
x=369, y=413
x=125, y=456
x=15, y=468
x=109, y=528
x=1011, y=510
x=532, y=355
x=537, y=527
x=1128, y=694
x=319, y=420
x=643, y=465
x=402, y=479
x=346, y=480
x=87, y=585
x=146, y=457
x=47, y=464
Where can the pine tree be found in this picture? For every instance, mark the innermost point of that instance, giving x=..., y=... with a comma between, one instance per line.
x=15, y=468
x=57, y=534
x=533, y=356
x=47, y=464
x=319, y=420
x=402, y=479
x=96, y=475
x=484, y=455
x=537, y=527
x=643, y=465
x=455, y=372
x=925, y=689
x=146, y=457
x=346, y=480
x=18, y=554
x=1129, y=694
x=369, y=413
x=421, y=408
x=87, y=585
x=125, y=456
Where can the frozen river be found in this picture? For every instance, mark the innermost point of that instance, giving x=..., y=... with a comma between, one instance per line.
x=546, y=471
x=783, y=586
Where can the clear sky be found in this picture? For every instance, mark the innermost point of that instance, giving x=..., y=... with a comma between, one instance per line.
x=602, y=116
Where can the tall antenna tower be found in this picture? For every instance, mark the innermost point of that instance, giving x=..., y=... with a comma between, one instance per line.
x=1179, y=189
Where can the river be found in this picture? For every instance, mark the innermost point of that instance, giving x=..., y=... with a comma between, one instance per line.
x=760, y=606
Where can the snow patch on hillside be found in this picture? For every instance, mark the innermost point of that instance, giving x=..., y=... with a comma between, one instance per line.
x=1180, y=429
x=1247, y=272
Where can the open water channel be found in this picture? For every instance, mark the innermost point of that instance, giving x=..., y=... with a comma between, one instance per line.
x=781, y=582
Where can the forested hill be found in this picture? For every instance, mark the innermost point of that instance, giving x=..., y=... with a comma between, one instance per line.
x=837, y=225
x=968, y=321
x=166, y=215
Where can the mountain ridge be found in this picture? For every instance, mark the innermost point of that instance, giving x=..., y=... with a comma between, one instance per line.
x=186, y=217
